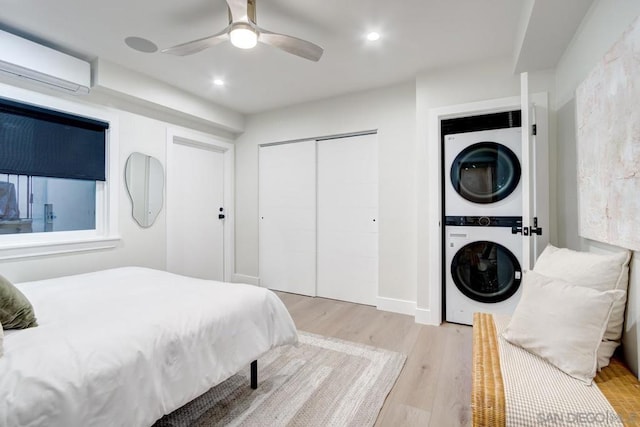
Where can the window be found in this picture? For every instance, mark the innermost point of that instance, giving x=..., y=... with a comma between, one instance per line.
x=51, y=162
x=34, y=204
x=54, y=164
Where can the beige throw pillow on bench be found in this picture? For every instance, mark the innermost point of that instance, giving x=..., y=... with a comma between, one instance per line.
x=595, y=271
x=562, y=323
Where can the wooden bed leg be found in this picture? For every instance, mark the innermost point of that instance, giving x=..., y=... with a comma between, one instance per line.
x=254, y=374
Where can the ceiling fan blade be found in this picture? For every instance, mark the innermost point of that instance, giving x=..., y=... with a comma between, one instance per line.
x=239, y=9
x=294, y=45
x=198, y=45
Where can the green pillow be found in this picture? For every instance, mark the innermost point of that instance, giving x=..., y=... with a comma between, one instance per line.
x=16, y=312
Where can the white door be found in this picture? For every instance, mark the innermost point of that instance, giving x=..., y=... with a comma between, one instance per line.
x=287, y=210
x=195, y=190
x=535, y=173
x=348, y=219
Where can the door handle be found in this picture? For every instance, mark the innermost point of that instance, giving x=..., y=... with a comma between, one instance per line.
x=535, y=229
x=520, y=230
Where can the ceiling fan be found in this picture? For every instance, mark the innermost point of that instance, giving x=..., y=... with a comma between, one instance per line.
x=243, y=32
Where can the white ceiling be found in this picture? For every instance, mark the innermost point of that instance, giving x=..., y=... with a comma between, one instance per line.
x=416, y=35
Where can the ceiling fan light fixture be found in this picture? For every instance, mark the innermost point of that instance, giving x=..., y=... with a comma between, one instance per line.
x=373, y=36
x=243, y=32
x=243, y=36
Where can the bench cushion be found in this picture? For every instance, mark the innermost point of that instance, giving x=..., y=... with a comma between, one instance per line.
x=494, y=404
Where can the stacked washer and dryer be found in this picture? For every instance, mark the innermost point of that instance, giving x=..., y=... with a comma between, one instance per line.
x=482, y=205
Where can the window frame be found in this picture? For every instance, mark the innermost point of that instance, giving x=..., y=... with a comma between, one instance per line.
x=106, y=233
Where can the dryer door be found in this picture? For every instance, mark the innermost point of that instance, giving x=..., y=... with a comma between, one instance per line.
x=486, y=271
x=486, y=172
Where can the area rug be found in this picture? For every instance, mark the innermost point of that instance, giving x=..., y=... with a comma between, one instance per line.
x=320, y=382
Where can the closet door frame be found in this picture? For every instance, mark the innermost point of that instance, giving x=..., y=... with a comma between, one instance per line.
x=429, y=309
x=316, y=141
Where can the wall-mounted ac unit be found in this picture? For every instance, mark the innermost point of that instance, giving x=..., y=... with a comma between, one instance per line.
x=25, y=59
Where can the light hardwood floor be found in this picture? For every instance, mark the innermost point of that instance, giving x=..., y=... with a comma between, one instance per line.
x=434, y=387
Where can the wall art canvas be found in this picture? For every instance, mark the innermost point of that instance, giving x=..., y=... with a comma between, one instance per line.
x=608, y=145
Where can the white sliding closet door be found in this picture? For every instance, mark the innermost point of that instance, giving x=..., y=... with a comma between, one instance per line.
x=287, y=205
x=347, y=219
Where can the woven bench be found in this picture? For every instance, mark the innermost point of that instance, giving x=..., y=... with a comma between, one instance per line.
x=618, y=385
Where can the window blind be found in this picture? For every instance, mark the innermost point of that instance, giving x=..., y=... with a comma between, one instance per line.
x=40, y=142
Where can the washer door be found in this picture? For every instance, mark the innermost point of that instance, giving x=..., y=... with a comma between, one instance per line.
x=486, y=271
x=485, y=172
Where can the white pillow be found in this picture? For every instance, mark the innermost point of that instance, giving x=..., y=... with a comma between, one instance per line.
x=1, y=339
x=561, y=323
x=600, y=272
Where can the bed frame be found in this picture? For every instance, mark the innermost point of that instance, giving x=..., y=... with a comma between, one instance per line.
x=254, y=374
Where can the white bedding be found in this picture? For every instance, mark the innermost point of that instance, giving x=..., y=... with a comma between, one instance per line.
x=123, y=347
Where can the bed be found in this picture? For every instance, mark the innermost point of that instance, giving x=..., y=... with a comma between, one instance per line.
x=125, y=346
x=512, y=387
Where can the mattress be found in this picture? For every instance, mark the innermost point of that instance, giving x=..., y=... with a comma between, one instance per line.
x=123, y=347
x=512, y=387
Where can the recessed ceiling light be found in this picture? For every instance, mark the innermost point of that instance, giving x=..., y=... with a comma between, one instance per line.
x=218, y=82
x=373, y=36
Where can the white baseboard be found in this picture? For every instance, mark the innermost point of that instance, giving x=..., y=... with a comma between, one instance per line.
x=425, y=317
x=396, y=305
x=241, y=278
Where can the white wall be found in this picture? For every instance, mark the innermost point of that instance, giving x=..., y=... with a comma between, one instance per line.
x=133, y=87
x=602, y=26
x=464, y=84
x=391, y=110
x=138, y=246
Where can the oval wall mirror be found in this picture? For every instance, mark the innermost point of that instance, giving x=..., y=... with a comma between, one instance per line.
x=144, y=176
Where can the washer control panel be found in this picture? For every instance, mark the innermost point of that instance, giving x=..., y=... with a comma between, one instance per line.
x=484, y=221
